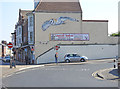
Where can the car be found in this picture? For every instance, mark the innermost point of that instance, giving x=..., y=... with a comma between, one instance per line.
x=74, y=57
x=7, y=59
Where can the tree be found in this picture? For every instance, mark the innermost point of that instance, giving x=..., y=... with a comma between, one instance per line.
x=115, y=34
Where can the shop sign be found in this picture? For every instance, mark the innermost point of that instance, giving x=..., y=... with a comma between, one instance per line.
x=69, y=37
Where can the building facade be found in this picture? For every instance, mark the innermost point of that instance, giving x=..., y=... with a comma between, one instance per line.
x=22, y=49
x=61, y=23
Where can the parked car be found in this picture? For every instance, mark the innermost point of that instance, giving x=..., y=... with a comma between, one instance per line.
x=74, y=57
x=7, y=59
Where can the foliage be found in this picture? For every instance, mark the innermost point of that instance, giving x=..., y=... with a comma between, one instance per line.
x=116, y=34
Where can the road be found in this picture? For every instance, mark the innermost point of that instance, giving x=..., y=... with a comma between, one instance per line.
x=73, y=75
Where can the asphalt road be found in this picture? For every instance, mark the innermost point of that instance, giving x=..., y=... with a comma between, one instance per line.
x=75, y=75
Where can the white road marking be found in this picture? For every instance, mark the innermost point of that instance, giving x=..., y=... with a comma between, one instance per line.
x=20, y=72
x=31, y=67
x=8, y=75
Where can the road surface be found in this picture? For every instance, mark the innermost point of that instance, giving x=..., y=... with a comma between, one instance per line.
x=73, y=75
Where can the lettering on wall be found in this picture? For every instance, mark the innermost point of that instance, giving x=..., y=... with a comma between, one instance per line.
x=54, y=22
x=69, y=37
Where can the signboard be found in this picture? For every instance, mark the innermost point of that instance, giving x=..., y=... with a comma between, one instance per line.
x=69, y=37
x=56, y=47
x=10, y=45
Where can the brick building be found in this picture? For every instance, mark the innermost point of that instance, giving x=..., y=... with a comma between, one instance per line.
x=22, y=47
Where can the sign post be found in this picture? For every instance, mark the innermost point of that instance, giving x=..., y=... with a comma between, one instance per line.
x=10, y=45
x=56, y=55
x=32, y=52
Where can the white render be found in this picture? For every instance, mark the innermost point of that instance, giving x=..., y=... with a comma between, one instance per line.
x=90, y=51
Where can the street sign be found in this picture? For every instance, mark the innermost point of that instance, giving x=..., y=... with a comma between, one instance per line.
x=10, y=45
x=57, y=47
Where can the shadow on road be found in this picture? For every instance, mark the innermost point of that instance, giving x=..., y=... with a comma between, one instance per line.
x=114, y=72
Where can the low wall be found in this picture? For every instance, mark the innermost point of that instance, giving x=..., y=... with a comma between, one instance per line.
x=91, y=51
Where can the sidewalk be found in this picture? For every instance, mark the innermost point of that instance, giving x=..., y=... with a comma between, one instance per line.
x=108, y=74
x=6, y=70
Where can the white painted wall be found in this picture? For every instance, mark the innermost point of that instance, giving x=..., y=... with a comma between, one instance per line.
x=91, y=51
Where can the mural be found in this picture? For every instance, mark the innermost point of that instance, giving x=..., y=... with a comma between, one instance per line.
x=59, y=21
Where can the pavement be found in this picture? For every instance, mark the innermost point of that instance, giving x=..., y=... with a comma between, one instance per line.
x=6, y=70
x=107, y=74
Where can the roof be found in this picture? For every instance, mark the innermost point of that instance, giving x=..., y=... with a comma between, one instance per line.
x=22, y=16
x=58, y=7
x=24, y=12
x=95, y=20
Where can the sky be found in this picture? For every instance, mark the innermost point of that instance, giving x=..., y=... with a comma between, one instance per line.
x=92, y=10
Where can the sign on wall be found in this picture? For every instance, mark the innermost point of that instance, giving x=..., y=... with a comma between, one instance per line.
x=69, y=37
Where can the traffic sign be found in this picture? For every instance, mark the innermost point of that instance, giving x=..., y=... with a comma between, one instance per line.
x=57, y=47
x=10, y=45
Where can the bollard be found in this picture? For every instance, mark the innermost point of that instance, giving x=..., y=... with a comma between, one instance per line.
x=10, y=63
x=114, y=64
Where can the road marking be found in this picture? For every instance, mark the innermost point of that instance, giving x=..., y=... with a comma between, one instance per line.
x=8, y=75
x=31, y=67
x=20, y=72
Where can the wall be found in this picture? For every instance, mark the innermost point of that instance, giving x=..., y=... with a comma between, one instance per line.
x=98, y=32
x=91, y=51
x=42, y=42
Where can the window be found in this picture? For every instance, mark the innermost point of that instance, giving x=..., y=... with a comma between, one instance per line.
x=31, y=21
x=71, y=55
x=19, y=40
x=19, y=30
x=31, y=36
x=16, y=32
x=77, y=55
x=24, y=39
x=68, y=55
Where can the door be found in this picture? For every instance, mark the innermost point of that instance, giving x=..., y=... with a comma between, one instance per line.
x=72, y=57
x=76, y=57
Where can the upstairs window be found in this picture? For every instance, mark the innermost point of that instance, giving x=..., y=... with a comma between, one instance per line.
x=19, y=30
x=31, y=21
